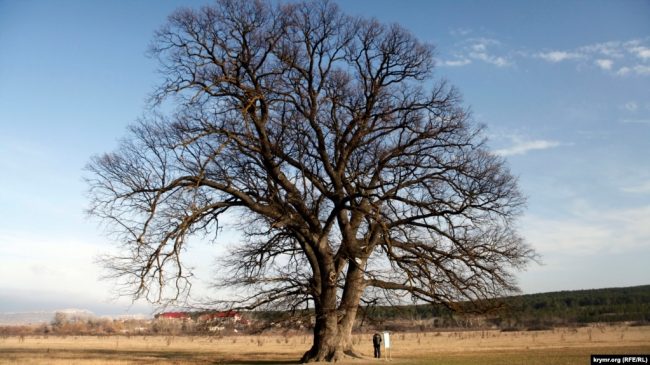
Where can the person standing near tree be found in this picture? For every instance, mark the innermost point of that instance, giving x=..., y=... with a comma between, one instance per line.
x=376, y=343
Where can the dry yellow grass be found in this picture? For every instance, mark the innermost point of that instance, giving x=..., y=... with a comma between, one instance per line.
x=559, y=346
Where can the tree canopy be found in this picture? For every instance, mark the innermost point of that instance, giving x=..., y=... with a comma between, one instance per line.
x=356, y=175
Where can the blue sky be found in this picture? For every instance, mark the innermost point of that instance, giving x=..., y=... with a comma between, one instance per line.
x=562, y=87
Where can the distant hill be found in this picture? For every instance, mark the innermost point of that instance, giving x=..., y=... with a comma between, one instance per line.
x=46, y=317
x=583, y=306
x=25, y=318
x=630, y=304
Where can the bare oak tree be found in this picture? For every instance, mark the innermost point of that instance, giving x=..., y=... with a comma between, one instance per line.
x=355, y=173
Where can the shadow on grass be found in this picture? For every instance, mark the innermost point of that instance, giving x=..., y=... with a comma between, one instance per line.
x=142, y=357
x=258, y=362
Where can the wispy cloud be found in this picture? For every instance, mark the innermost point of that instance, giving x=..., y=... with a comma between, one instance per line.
x=617, y=58
x=639, y=70
x=633, y=56
x=643, y=188
x=521, y=146
x=631, y=106
x=589, y=230
x=635, y=113
x=455, y=63
x=604, y=64
x=611, y=49
x=635, y=121
x=641, y=52
x=67, y=262
x=558, y=56
x=494, y=60
x=481, y=49
x=460, y=32
x=484, y=50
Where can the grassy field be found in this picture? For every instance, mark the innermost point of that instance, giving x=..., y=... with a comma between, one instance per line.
x=559, y=346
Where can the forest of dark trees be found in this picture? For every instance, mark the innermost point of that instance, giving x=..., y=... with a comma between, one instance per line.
x=532, y=311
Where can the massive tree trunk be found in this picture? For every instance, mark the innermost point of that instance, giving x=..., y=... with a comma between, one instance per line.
x=330, y=344
x=333, y=327
x=332, y=338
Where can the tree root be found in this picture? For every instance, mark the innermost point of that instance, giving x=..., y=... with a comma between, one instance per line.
x=330, y=356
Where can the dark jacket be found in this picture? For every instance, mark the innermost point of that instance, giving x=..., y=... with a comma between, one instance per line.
x=376, y=339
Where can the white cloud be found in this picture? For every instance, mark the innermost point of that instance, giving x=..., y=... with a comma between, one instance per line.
x=590, y=231
x=623, y=71
x=611, y=49
x=641, y=52
x=494, y=60
x=631, y=106
x=605, y=64
x=643, y=188
x=478, y=49
x=558, y=56
x=460, y=32
x=37, y=262
x=632, y=55
x=640, y=70
x=455, y=63
x=41, y=262
x=635, y=121
x=618, y=58
x=521, y=147
x=548, y=235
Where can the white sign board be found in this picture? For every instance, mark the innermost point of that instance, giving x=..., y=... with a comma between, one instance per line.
x=386, y=340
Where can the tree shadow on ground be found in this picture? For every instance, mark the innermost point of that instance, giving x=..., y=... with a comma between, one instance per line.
x=259, y=362
x=142, y=357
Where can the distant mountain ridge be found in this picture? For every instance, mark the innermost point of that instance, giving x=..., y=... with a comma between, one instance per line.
x=46, y=317
x=25, y=318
